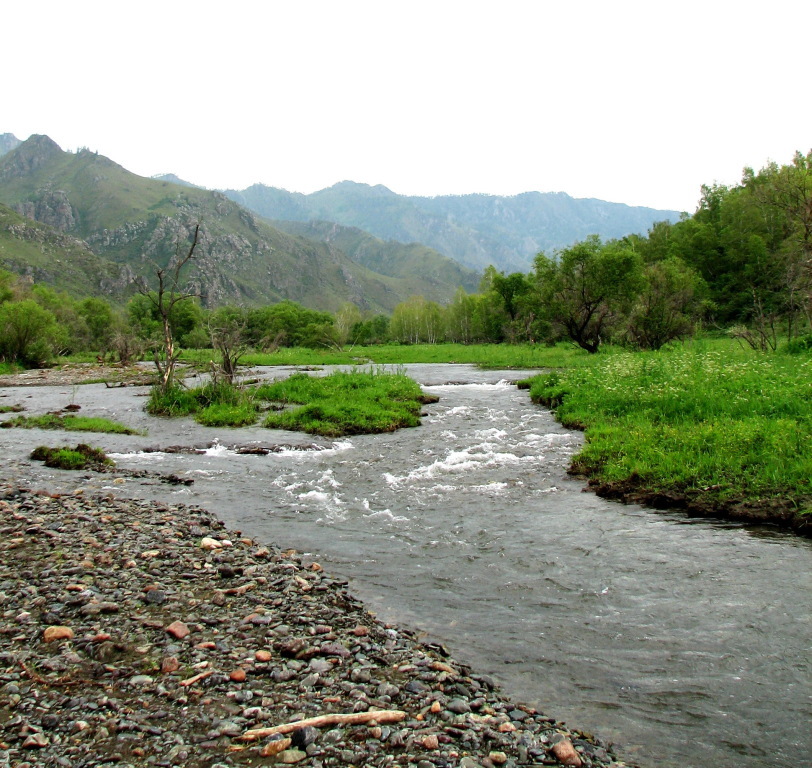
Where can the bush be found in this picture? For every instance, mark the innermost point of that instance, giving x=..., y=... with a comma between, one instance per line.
x=27, y=332
x=799, y=345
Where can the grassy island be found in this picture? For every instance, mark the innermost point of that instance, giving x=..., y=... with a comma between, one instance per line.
x=358, y=402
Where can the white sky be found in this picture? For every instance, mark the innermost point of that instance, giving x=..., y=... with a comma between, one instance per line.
x=634, y=102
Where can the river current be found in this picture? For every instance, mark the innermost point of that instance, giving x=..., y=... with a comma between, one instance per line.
x=686, y=642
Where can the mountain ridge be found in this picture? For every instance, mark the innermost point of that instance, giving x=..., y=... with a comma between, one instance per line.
x=136, y=223
x=475, y=229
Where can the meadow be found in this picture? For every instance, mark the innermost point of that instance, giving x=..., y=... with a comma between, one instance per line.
x=714, y=424
x=483, y=355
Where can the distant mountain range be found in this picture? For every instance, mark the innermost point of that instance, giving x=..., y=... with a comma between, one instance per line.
x=475, y=230
x=83, y=223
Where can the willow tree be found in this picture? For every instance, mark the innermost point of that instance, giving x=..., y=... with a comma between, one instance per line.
x=589, y=289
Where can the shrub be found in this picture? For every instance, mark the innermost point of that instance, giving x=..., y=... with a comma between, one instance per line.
x=26, y=332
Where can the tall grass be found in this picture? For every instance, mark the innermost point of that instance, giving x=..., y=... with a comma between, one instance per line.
x=213, y=405
x=729, y=424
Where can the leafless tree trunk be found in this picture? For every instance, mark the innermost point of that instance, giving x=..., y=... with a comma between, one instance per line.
x=169, y=293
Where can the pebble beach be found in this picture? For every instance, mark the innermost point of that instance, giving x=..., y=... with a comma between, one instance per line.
x=141, y=633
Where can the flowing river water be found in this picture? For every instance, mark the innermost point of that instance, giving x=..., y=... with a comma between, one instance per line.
x=686, y=642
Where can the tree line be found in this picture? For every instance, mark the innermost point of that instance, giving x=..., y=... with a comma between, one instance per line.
x=742, y=262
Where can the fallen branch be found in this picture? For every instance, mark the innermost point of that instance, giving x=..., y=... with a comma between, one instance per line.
x=353, y=718
x=240, y=590
x=192, y=680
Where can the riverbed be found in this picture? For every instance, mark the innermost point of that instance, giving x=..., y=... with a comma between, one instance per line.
x=686, y=642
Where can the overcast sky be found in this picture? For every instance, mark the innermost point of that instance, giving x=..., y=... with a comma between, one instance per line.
x=633, y=102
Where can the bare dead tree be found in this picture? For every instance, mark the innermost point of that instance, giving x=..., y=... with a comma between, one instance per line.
x=167, y=296
x=228, y=338
x=762, y=335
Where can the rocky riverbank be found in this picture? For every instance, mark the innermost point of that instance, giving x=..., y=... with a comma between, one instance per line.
x=139, y=633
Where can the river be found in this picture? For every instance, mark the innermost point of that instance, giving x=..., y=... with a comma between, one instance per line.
x=686, y=642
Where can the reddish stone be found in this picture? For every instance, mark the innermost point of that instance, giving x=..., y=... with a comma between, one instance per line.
x=565, y=753
x=178, y=630
x=52, y=634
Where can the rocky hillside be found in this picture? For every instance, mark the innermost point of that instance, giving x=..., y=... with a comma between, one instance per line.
x=44, y=255
x=133, y=224
x=475, y=230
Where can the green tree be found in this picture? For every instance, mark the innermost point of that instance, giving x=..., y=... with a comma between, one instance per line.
x=460, y=318
x=285, y=323
x=27, y=332
x=228, y=337
x=589, y=289
x=100, y=322
x=669, y=305
x=417, y=321
x=346, y=318
x=374, y=330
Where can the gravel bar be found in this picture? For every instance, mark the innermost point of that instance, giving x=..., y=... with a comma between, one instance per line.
x=137, y=633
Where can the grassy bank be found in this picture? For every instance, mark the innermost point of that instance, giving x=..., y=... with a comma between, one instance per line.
x=69, y=423
x=359, y=402
x=485, y=355
x=711, y=431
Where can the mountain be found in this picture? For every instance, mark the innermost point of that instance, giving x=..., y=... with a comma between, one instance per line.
x=411, y=262
x=475, y=230
x=174, y=179
x=44, y=255
x=8, y=141
x=133, y=223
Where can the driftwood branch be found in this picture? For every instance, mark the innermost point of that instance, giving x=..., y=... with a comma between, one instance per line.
x=352, y=718
x=197, y=678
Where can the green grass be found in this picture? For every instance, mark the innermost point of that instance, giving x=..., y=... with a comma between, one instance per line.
x=80, y=457
x=725, y=423
x=359, y=402
x=213, y=405
x=345, y=403
x=70, y=424
x=484, y=355
x=225, y=415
